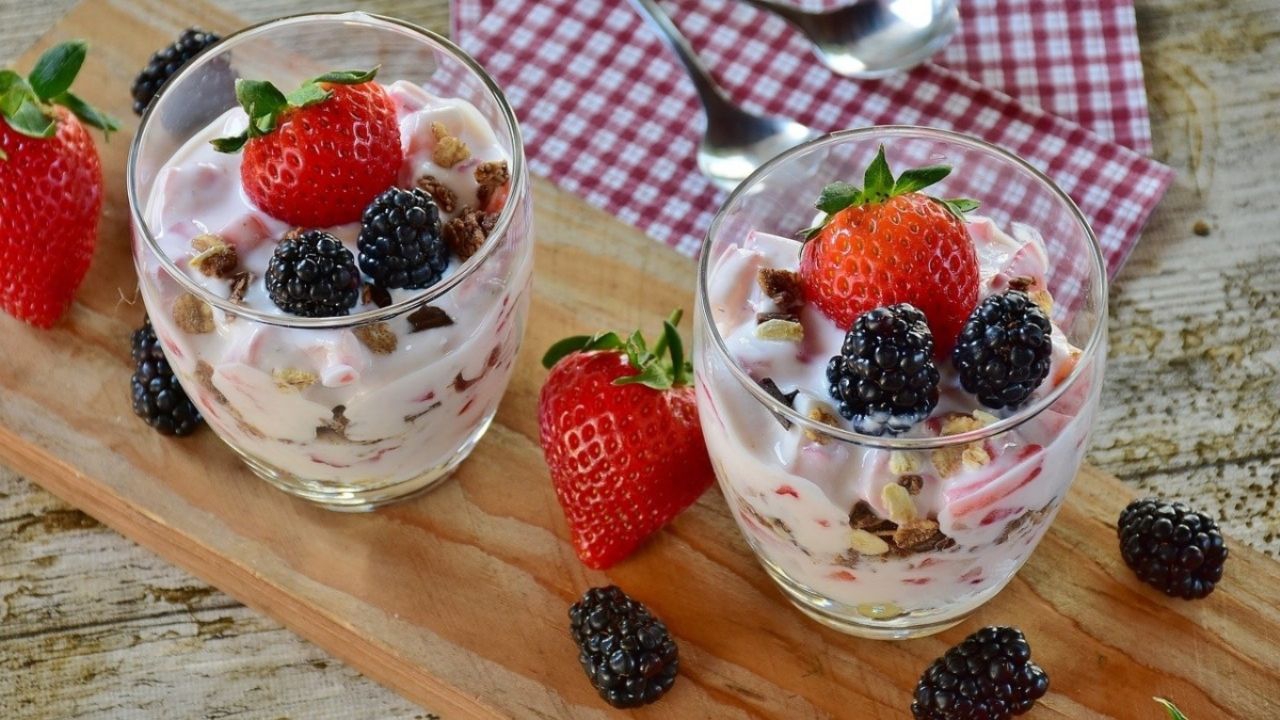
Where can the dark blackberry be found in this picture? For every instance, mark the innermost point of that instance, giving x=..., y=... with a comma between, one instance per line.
x=168, y=61
x=1002, y=354
x=1172, y=548
x=311, y=274
x=988, y=676
x=157, y=396
x=627, y=653
x=400, y=244
x=884, y=378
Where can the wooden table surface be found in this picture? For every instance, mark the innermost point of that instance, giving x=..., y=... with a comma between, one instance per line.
x=1192, y=408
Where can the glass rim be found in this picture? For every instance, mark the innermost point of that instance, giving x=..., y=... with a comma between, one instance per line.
x=1023, y=414
x=518, y=179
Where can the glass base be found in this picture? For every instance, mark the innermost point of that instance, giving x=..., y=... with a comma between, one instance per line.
x=365, y=496
x=877, y=622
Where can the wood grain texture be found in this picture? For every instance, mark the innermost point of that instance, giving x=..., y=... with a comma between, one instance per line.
x=1178, y=259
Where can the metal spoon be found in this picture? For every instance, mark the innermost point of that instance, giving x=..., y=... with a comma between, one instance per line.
x=873, y=38
x=735, y=142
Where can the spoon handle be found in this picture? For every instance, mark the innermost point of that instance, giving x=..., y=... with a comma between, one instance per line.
x=713, y=98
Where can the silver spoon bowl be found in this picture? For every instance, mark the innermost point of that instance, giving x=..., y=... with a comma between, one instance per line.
x=873, y=38
x=735, y=142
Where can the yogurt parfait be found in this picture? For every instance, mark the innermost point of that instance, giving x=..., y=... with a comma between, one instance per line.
x=897, y=397
x=337, y=264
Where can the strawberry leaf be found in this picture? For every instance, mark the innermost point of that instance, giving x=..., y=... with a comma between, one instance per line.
x=307, y=95
x=91, y=116
x=877, y=183
x=1172, y=710
x=9, y=79
x=919, y=179
x=230, y=144
x=672, y=338
x=653, y=375
x=31, y=121
x=838, y=196
x=348, y=77
x=960, y=206
x=57, y=68
x=580, y=343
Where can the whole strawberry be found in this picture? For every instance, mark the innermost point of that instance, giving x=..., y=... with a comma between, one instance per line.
x=50, y=186
x=317, y=156
x=887, y=243
x=619, y=428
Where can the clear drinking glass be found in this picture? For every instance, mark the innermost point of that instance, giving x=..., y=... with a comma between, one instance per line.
x=354, y=411
x=800, y=489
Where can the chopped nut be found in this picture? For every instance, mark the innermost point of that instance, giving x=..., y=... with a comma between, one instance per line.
x=444, y=197
x=865, y=543
x=958, y=423
x=375, y=294
x=782, y=286
x=1022, y=282
x=214, y=257
x=240, y=286
x=822, y=414
x=903, y=462
x=193, y=315
x=467, y=232
x=1044, y=300
x=780, y=330
x=450, y=150
x=491, y=176
x=378, y=337
x=899, y=504
x=913, y=483
x=985, y=417
x=293, y=379
x=916, y=534
x=974, y=456
x=428, y=317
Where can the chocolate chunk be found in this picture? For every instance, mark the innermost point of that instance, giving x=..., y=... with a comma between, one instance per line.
x=764, y=317
x=428, y=317
x=788, y=399
x=375, y=294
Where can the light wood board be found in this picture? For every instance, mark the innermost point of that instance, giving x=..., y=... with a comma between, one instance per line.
x=458, y=599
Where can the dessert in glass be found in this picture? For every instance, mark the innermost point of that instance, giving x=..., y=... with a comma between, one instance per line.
x=896, y=406
x=333, y=240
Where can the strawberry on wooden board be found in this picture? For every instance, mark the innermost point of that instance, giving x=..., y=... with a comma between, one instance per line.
x=50, y=186
x=887, y=243
x=618, y=425
x=317, y=156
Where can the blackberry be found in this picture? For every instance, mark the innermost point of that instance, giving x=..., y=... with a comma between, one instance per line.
x=311, y=274
x=400, y=244
x=988, y=676
x=627, y=653
x=168, y=61
x=1172, y=548
x=884, y=378
x=157, y=396
x=1002, y=354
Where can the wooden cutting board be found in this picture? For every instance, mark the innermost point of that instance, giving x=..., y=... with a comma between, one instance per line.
x=458, y=599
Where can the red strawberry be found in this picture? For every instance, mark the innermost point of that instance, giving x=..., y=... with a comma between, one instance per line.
x=619, y=427
x=320, y=155
x=887, y=243
x=50, y=186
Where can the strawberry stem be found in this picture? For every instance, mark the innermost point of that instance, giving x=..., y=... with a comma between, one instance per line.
x=662, y=367
x=1172, y=710
x=265, y=104
x=25, y=103
x=879, y=185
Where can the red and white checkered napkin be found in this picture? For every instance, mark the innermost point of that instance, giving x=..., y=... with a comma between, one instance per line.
x=608, y=113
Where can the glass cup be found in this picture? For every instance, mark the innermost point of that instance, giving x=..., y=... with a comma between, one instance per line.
x=813, y=500
x=354, y=411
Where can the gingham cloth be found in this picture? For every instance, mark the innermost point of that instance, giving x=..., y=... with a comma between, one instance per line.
x=608, y=114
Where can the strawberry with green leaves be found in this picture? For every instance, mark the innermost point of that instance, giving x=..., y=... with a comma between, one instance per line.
x=50, y=186
x=618, y=425
x=317, y=156
x=888, y=243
